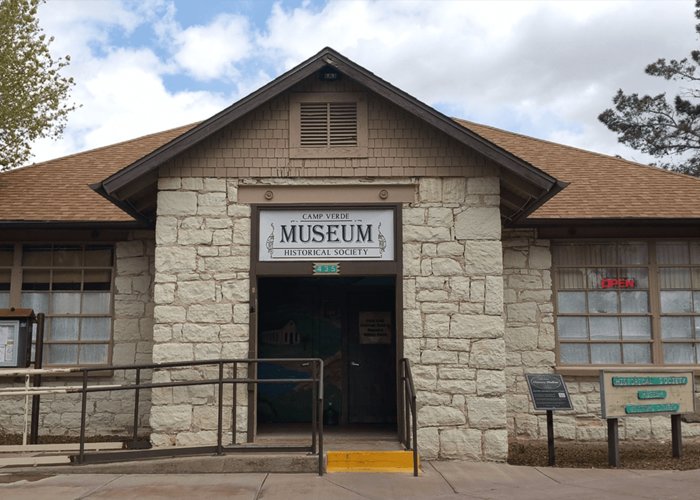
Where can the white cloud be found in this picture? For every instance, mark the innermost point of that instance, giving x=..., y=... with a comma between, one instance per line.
x=540, y=68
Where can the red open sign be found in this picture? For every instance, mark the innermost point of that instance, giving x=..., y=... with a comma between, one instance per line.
x=617, y=283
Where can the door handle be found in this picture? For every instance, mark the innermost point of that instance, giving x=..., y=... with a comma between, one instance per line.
x=354, y=363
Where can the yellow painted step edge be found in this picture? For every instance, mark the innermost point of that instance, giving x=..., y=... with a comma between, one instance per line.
x=369, y=461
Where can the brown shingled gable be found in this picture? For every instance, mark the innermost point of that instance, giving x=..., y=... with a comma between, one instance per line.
x=601, y=187
x=58, y=190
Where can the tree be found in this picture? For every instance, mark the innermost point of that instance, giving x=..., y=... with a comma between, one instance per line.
x=33, y=93
x=667, y=130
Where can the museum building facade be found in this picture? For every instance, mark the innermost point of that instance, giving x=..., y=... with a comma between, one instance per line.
x=331, y=215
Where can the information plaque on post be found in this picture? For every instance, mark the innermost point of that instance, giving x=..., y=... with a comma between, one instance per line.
x=549, y=393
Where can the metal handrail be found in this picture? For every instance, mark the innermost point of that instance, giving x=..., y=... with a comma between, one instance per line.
x=410, y=427
x=315, y=379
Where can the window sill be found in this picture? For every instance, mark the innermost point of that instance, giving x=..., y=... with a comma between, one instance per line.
x=594, y=371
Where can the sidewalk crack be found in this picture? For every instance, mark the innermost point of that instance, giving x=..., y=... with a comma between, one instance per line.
x=257, y=493
x=97, y=488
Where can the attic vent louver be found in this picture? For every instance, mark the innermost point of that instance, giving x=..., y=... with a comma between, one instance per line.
x=328, y=124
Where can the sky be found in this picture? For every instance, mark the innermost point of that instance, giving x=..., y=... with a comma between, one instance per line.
x=545, y=69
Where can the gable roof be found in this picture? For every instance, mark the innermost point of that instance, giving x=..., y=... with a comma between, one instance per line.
x=600, y=186
x=526, y=186
x=58, y=190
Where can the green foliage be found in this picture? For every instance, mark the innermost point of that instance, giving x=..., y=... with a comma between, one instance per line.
x=32, y=91
x=668, y=130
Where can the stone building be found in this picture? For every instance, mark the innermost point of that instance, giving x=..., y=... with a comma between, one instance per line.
x=479, y=255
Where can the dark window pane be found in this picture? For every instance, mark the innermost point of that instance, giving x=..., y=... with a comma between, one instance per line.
x=5, y=275
x=674, y=278
x=569, y=255
x=571, y=278
x=633, y=253
x=6, y=255
x=672, y=253
x=67, y=256
x=36, y=279
x=97, y=279
x=67, y=279
x=36, y=255
x=99, y=255
x=602, y=254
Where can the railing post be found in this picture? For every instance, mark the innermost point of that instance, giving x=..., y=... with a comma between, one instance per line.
x=320, y=420
x=83, y=411
x=137, y=393
x=220, y=426
x=234, y=409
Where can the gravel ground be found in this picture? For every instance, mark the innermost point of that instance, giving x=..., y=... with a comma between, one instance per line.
x=633, y=455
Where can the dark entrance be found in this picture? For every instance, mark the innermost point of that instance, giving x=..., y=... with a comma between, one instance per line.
x=348, y=322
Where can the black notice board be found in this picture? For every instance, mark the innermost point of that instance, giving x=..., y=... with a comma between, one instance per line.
x=548, y=391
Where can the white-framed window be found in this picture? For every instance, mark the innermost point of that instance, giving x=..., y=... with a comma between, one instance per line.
x=72, y=285
x=627, y=302
x=328, y=125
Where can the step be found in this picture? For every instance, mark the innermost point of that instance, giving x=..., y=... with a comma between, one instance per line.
x=369, y=461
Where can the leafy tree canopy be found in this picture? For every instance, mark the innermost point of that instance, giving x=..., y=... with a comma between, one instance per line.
x=668, y=130
x=33, y=93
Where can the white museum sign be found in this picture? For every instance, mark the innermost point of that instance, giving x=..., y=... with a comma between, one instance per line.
x=313, y=234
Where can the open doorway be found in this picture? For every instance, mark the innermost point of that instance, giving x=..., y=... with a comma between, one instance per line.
x=350, y=323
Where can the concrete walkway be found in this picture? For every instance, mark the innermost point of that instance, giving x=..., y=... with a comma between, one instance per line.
x=439, y=480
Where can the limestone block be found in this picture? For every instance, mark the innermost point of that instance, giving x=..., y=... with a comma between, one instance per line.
x=454, y=189
x=483, y=185
x=439, y=307
x=428, y=443
x=493, y=302
x=450, y=249
x=440, y=216
x=490, y=382
x=431, y=296
x=163, y=353
x=227, y=264
x=457, y=386
x=436, y=325
x=496, y=445
x=483, y=257
x=431, y=416
x=522, y=312
x=234, y=332
x=412, y=324
x=235, y=350
x=413, y=216
x=540, y=258
x=238, y=211
x=427, y=398
x=525, y=282
x=126, y=329
x=456, y=344
x=438, y=357
x=210, y=313
x=411, y=259
x=132, y=266
x=124, y=354
x=661, y=428
x=476, y=326
x=195, y=438
x=478, y=223
x=443, y=266
x=125, y=249
x=164, y=293
x=521, y=338
x=514, y=259
x=194, y=292
x=527, y=425
x=539, y=359
x=425, y=233
x=543, y=297
x=565, y=431
x=637, y=428
x=486, y=413
x=162, y=333
x=169, y=183
x=460, y=287
x=177, y=203
x=175, y=259
x=488, y=353
x=241, y=313
x=460, y=444
x=429, y=249
x=193, y=183
x=195, y=236
x=236, y=290
x=241, y=232
x=424, y=377
x=207, y=351
x=595, y=433
x=214, y=184
x=222, y=237
x=171, y=417
x=196, y=333
x=213, y=203
x=169, y=314
x=430, y=190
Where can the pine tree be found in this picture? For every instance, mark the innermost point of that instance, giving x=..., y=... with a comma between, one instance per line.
x=668, y=130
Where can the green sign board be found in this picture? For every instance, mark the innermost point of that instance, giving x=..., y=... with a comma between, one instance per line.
x=652, y=394
x=639, y=381
x=326, y=268
x=627, y=393
x=654, y=408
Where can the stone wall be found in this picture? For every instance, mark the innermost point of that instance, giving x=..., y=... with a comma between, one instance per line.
x=530, y=345
x=109, y=413
x=201, y=303
x=453, y=324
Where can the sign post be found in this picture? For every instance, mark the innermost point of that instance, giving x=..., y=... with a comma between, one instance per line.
x=549, y=392
x=645, y=393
